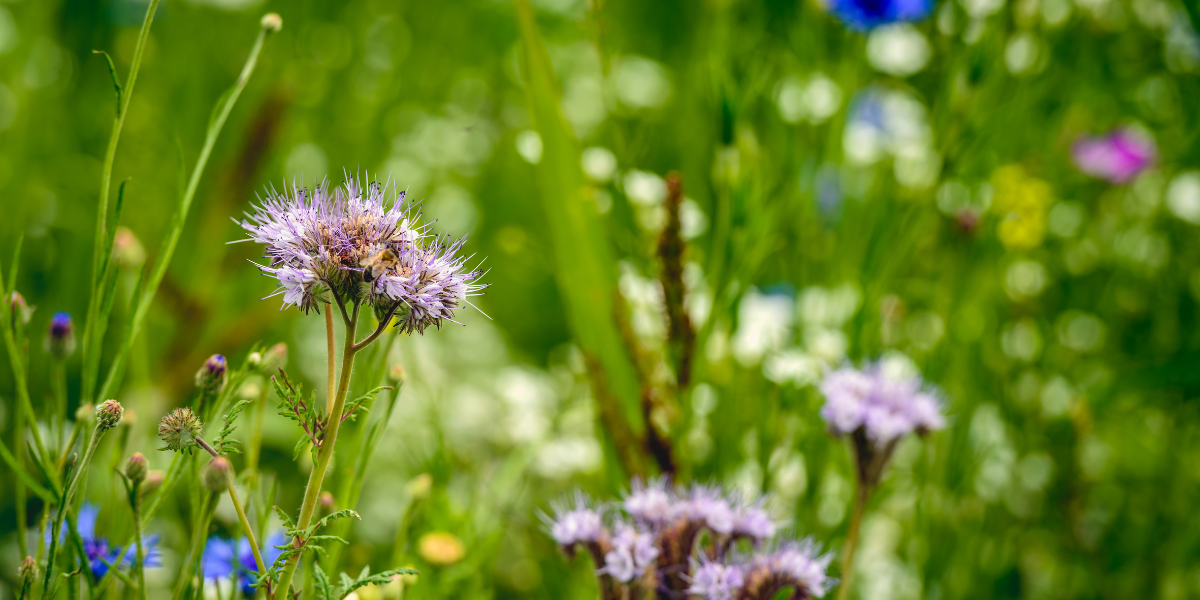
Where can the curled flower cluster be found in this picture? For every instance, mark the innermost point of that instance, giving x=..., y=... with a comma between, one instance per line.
x=360, y=243
x=655, y=545
x=876, y=409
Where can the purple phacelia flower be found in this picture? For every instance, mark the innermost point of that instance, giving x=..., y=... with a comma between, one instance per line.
x=650, y=503
x=710, y=506
x=632, y=553
x=796, y=565
x=861, y=15
x=713, y=580
x=578, y=524
x=886, y=407
x=360, y=243
x=754, y=522
x=1116, y=157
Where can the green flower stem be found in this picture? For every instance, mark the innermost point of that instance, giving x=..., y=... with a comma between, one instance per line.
x=254, y=447
x=139, y=572
x=58, y=382
x=224, y=107
x=329, y=349
x=860, y=506
x=124, y=95
x=65, y=505
x=208, y=506
x=237, y=504
x=317, y=475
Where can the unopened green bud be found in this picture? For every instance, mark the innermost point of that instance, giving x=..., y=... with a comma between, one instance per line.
x=272, y=22
x=154, y=478
x=327, y=503
x=274, y=359
x=109, y=414
x=179, y=429
x=127, y=248
x=28, y=570
x=85, y=412
x=217, y=474
x=397, y=374
x=419, y=486
x=137, y=468
x=20, y=310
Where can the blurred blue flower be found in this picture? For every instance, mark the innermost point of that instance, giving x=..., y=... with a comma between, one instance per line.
x=233, y=558
x=97, y=549
x=861, y=15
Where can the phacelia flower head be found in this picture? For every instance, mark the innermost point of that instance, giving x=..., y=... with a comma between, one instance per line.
x=60, y=340
x=712, y=580
x=1116, y=157
x=633, y=553
x=862, y=15
x=710, y=506
x=360, y=243
x=798, y=565
x=754, y=522
x=179, y=429
x=651, y=503
x=577, y=524
x=886, y=406
x=109, y=414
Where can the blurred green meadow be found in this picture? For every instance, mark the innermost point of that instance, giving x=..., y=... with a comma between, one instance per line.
x=907, y=194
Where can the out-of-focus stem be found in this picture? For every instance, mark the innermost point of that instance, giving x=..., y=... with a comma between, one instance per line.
x=254, y=449
x=65, y=505
x=860, y=506
x=135, y=498
x=241, y=512
x=207, y=507
x=317, y=475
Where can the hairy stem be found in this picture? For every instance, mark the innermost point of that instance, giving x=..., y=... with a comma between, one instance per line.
x=329, y=349
x=241, y=512
x=317, y=475
x=135, y=498
x=65, y=506
x=860, y=506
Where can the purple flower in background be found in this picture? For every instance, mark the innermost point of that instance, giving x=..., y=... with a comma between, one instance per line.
x=97, y=549
x=633, y=552
x=796, y=564
x=580, y=524
x=885, y=406
x=754, y=522
x=360, y=242
x=233, y=558
x=862, y=15
x=1116, y=157
x=710, y=506
x=712, y=580
x=60, y=341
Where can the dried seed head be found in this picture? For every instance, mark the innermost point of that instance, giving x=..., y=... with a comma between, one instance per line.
x=60, y=341
x=137, y=468
x=212, y=377
x=217, y=474
x=179, y=429
x=108, y=414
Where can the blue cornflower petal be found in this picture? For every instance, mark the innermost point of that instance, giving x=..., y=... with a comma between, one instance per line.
x=218, y=558
x=862, y=15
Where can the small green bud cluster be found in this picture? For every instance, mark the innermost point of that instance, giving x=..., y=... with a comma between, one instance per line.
x=109, y=414
x=137, y=468
x=179, y=430
x=217, y=474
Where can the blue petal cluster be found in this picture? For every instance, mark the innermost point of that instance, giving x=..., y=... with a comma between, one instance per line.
x=234, y=559
x=99, y=552
x=862, y=15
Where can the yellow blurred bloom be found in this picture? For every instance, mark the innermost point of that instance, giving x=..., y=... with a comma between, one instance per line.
x=1021, y=202
x=441, y=548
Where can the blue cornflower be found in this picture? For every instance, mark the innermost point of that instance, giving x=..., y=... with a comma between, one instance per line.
x=233, y=558
x=97, y=549
x=862, y=15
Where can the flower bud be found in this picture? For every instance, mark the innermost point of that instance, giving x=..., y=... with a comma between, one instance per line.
x=179, y=429
x=28, y=570
x=217, y=474
x=137, y=468
x=326, y=503
x=419, y=486
x=154, y=478
x=85, y=412
x=397, y=374
x=212, y=377
x=109, y=414
x=274, y=359
x=60, y=341
x=441, y=548
x=127, y=249
x=20, y=309
x=272, y=22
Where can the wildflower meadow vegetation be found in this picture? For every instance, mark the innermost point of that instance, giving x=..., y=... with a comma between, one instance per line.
x=570, y=299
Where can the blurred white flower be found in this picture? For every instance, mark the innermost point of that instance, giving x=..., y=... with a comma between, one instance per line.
x=792, y=366
x=645, y=188
x=598, y=163
x=1021, y=52
x=764, y=324
x=529, y=146
x=1183, y=196
x=641, y=82
x=897, y=49
x=813, y=100
x=692, y=220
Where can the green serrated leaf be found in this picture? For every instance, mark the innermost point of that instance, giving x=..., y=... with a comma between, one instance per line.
x=288, y=524
x=321, y=586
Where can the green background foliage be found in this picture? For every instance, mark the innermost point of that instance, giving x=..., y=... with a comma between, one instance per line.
x=1070, y=363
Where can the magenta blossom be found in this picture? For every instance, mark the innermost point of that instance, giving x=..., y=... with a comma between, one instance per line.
x=1116, y=157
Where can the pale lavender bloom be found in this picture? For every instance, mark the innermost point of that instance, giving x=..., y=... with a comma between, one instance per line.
x=633, y=552
x=709, y=505
x=885, y=406
x=650, y=503
x=712, y=580
x=580, y=524
x=1116, y=157
x=754, y=522
x=799, y=565
x=360, y=242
